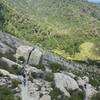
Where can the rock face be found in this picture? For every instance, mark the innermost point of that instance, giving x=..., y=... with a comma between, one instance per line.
x=10, y=62
x=88, y=88
x=23, y=51
x=45, y=97
x=64, y=82
x=6, y=73
x=39, y=79
x=39, y=87
x=35, y=57
x=10, y=40
x=89, y=91
x=4, y=48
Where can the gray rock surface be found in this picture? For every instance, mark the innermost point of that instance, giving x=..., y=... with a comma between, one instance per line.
x=35, y=57
x=45, y=97
x=5, y=48
x=10, y=62
x=89, y=91
x=65, y=83
x=6, y=73
x=23, y=51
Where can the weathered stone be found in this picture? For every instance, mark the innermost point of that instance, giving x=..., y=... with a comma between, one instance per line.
x=6, y=73
x=64, y=82
x=23, y=51
x=89, y=91
x=35, y=57
x=10, y=62
x=45, y=97
x=5, y=48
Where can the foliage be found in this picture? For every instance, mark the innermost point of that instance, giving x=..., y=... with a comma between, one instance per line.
x=40, y=66
x=21, y=58
x=95, y=81
x=61, y=24
x=14, y=69
x=6, y=93
x=30, y=78
x=55, y=67
x=56, y=94
x=15, y=83
x=49, y=76
x=96, y=97
x=77, y=95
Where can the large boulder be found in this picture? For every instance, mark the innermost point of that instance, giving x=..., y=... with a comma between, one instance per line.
x=30, y=54
x=89, y=91
x=65, y=83
x=45, y=97
x=35, y=57
x=83, y=81
x=23, y=51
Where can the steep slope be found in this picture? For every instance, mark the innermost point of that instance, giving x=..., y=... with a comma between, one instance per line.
x=61, y=25
x=51, y=78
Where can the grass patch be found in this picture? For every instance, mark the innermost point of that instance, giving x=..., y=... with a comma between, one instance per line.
x=15, y=83
x=77, y=95
x=55, y=67
x=96, y=96
x=14, y=69
x=6, y=93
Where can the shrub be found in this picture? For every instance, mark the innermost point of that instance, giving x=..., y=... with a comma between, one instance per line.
x=77, y=95
x=56, y=94
x=4, y=65
x=49, y=76
x=55, y=67
x=15, y=70
x=40, y=66
x=30, y=78
x=6, y=93
x=21, y=58
x=10, y=55
x=15, y=83
x=96, y=97
x=95, y=81
x=18, y=98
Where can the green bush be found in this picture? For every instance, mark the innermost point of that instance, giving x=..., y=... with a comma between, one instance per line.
x=18, y=98
x=55, y=67
x=21, y=58
x=95, y=81
x=96, y=97
x=77, y=95
x=30, y=78
x=40, y=66
x=56, y=94
x=4, y=65
x=15, y=83
x=6, y=93
x=15, y=70
x=10, y=55
x=49, y=76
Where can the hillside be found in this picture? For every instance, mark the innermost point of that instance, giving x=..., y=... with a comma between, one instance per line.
x=28, y=72
x=67, y=27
